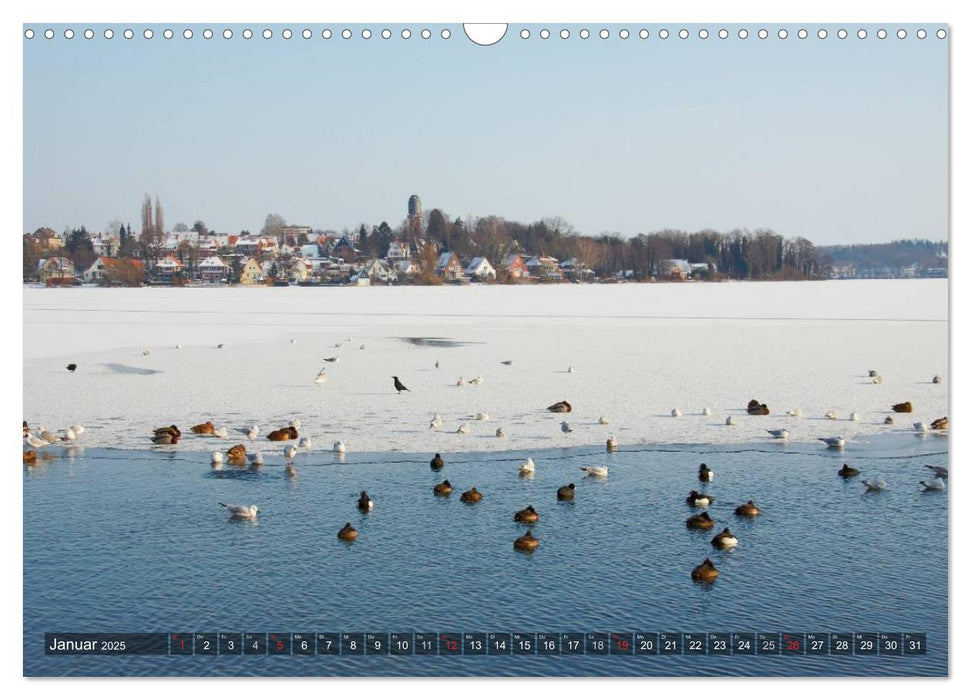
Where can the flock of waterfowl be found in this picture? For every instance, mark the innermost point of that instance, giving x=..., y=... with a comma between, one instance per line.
x=239, y=455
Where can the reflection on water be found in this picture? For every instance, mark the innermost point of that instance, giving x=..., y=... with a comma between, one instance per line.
x=136, y=541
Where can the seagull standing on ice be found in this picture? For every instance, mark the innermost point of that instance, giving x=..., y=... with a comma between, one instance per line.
x=837, y=441
x=476, y=380
x=460, y=382
x=436, y=422
x=240, y=512
x=321, y=377
x=706, y=411
x=795, y=412
x=251, y=432
x=831, y=415
x=77, y=428
x=780, y=434
x=854, y=416
x=675, y=412
x=918, y=427
x=304, y=443
x=604, y=420
x=463, y=429
x=565, y=427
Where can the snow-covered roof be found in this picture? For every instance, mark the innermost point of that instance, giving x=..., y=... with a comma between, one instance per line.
x=213, y=261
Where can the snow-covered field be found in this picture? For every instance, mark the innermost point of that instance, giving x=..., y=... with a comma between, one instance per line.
x=637, y=351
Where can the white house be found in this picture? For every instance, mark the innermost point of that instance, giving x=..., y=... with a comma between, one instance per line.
x=376, y=271
x=480, y=268
x=398, y=250
x=213, y=270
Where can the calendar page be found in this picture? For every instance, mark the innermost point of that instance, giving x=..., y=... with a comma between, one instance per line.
x=526, y=349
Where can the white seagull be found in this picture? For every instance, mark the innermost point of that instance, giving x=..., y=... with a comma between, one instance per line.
x=304, y=443
x=69, y=435
x=918, y=427
x=77, y=428
x=476, y=380
x=339, y=447
x=251, y=432
x=877, y=379
x=729, y=421
x=675, y=412
x=481, y=416
x=837, y=441
x=460, y=382
x=35, y=441
x=876, y=484
x=463, y=429
x=565, y=427
x=935, y=484
x=831, y=415
x=611, y=443
x=290, y=452
x=255, y=458
x=706, y=411
x=780, y=434
x=854, y=416
x=527, y=467
x=595, y=471
x=321, y=377
x=570, y=369
x=604, y=420
x=240, y=512
x=216, y=457
x=436, y=422
x=795, y=412
x=221, y=432
x=295, y=423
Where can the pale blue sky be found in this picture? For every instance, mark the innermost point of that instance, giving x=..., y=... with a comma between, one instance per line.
x=835, y=140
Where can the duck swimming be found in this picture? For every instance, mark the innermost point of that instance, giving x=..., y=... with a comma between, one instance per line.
x=699, y=499
x=526, y=515
x=705, y=572
x=471, y=496
x=437, y=462
x=702, y=521
x=566, y=493
x=748, y=510
x=443, y=489
x=704, y=473
x=724, y=540
x=236, y=453
x=526, y=543
x=347, y=533
x=848, y=472
x=364, y=503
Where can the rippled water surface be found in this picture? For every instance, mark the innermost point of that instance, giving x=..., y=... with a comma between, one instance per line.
x=124, y=541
